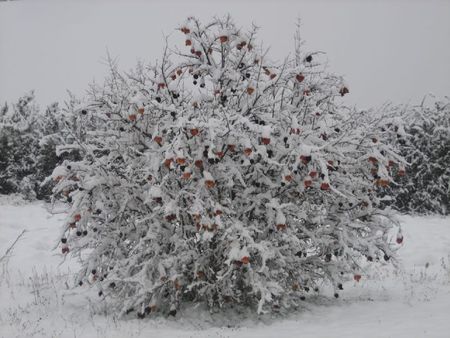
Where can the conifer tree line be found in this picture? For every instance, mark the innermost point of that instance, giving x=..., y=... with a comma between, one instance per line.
x=29, y=137
x=218, y=176
x=425, y=187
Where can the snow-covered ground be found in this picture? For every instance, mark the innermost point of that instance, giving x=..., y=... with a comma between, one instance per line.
x=52, y=46
x=36, y=298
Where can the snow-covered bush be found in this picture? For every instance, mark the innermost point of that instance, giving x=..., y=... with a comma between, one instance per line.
x=19, y=144
x=425, y=185
x=28, y=140
x=217, y=176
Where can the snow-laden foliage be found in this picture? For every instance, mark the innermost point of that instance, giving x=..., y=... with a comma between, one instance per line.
x=425, y=186
x=18, y=147
x=217, y=176
x=28, y=140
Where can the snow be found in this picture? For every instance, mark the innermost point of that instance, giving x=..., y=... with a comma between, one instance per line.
x=411, y=300
x=52, y=46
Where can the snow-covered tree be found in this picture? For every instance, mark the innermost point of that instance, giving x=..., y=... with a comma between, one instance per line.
x=28, y=139
x=425, y=184
x=19, y=146
x=218, y=176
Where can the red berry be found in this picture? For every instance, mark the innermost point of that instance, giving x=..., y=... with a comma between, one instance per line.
x=324, y=186
x=300, y=77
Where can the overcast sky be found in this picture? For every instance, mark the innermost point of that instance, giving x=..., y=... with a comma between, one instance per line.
x=386, y=50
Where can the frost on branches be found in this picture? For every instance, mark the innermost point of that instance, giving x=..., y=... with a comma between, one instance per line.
x=28, y=139
x=220, y=177
x=18, y=147
x=425, y=188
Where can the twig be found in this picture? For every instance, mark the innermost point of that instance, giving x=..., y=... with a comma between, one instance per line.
x=12, y=246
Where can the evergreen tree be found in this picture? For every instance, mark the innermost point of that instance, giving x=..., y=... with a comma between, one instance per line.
x=19, y=146
x=29, y=140
x=425, y=185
